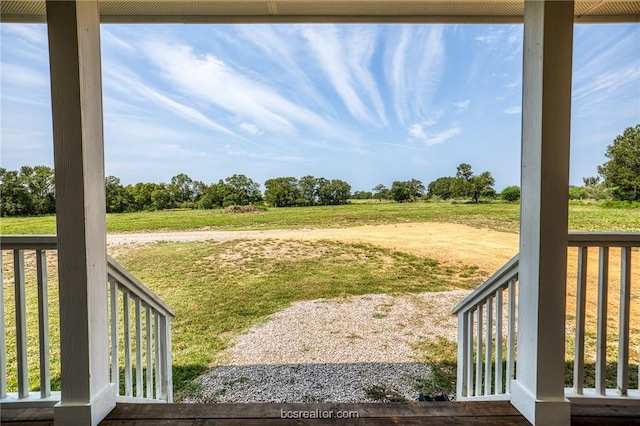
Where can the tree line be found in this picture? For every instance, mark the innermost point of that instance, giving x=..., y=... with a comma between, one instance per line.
x=31, y=190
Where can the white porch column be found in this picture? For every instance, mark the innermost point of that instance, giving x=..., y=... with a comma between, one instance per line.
x=538, y=391
x=76, y=95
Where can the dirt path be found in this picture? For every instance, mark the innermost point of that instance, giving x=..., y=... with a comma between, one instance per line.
x=445, y=242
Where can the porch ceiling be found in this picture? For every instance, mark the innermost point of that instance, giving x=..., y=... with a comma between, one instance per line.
x=253, y=11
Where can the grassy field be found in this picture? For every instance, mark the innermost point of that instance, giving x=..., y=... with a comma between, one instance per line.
x=499, y=216
x=240, y=283
x=221, y=289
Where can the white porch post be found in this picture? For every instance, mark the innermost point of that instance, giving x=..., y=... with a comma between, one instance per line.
x=538, y=391
x=76, y=95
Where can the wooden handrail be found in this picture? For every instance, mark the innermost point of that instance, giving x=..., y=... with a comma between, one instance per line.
x=489, y=287
x=28, y=242
x=603, y=239
x=135, y=287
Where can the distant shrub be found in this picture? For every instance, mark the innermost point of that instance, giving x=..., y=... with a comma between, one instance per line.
x=511, y=193
x=245, y=209
x=621, y=204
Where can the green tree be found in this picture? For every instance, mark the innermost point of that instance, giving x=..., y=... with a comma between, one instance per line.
x=461, y=186
x=118, y=199
x=161, y=198
x=242, y=191
x=282, y=192
x=591, y=180
x=141, y=193
x=181, y=188
x=482, y=186
x=441, y=187
x=15, y=199
x=334, y=191
x=199, y=188
x=40, y=182
x=406, y=191
x=308, y=189
x=468, y=185
x=214, y=195
x=578, y=193
x=381, y=192
x=510, y=193
x=362, y=195
x=622, y=172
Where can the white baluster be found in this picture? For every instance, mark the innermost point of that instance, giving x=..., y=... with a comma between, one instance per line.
x=138, y=348
x=156, y=333
x=488, y=349
x=511, y=334
x=115, y=349
x=581, y=301
x=469, y=356
x=462, y=352
x=21, y=323
x=43, y=323
x=499, y=315
x=149, y=351
x=479, y=351
x=625, y=306
x=601, y=348
x=128, y=385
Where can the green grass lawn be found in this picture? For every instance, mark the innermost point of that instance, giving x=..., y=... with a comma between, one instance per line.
x=499, y=216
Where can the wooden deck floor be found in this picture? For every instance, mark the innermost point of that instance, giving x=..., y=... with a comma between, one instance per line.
x=412, y=413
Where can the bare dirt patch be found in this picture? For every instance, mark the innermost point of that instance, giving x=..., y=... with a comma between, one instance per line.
x=444, y=242
x=249, y=251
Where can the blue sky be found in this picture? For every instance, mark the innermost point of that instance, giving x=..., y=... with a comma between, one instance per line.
x=367, y=104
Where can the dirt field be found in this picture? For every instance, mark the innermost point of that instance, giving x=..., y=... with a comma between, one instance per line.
x=444, y=242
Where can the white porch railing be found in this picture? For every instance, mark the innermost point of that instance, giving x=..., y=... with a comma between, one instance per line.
x=487, y=336
x=140, y=330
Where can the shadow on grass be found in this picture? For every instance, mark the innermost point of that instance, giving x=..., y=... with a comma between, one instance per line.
x=590, y=375
x=184, y=383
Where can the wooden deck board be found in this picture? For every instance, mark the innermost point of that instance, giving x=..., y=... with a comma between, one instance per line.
x=411, y=413
x=270, y=414
x=268, y=410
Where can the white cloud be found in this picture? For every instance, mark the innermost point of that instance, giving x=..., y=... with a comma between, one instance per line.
x=417, y=132
x=210, y=80
x=516, y=109
x=148, y=139
x=607, y=82
x=35, y=34
x=284, y=47
x=414, y=68
x=126, y=82
x=252, y=129
x=22, y=76
x=511, y=34
x=462, y=105
x=110, y=39
x=345, y=56
x=265, y=156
